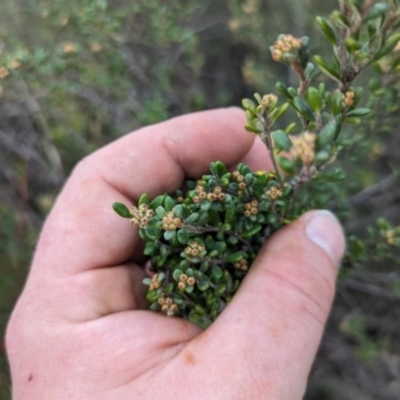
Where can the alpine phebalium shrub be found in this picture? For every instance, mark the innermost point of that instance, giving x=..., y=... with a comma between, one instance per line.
x=202, y=240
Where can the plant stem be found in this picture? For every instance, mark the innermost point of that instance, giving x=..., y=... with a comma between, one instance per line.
x=342, y=47
x=304, y=83
x=266, y=138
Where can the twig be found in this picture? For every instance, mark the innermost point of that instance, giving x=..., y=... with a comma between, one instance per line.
x=266, y=138
x=343, y=50
x=371, y=191
x=369, y=289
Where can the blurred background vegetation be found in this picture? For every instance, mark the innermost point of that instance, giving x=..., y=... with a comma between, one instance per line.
x=75, y=75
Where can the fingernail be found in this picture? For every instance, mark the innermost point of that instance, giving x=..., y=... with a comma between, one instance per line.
x=324, y=230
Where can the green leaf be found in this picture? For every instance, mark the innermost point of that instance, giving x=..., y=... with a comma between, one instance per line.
x=358, y=112
x=327, y=69
x=352, y=45
x=322, y=156
x=389, y=45
x=253, y=231
x=144, y=199
x=158, y=201
x=178, y=211
x=205, y=205
x=311, y=71
x=303, y=108
x=264, y=206
x=234, y=257
x=217, y=272
x=192, y=219
x=258, y=97
x=169, y=235
x=286, y=165
x=164, y=250
x=336, y=103
x=147, y=281
x=153, y=233
x=282, y=89
x=169, y=203
x=160, y=211
x=220, y=290
x=203, y=218
x=292, y=91
x=339, y=19
x=233, y=240
x=229, y=216
x=281, y=140
x=258, y=125
x=177, y=274
x=252, y=129
x=189, y=289
x=314, y=98
x=327, y=30
x=249, y=117
x=122, y=210
x=290, y=127
x=376, y=43
x=183, y=236
x=152, y=295
x=278, y=112
x=249, y=179
x=333, y=175
x=249, y=105
x=203, y=284
x=149, y=248
x=327, y=134
x=220, y=169
x=378, y=10
x=200, y=320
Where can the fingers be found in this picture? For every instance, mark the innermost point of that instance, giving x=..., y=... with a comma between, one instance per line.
x=85, y=233
x=276, y=319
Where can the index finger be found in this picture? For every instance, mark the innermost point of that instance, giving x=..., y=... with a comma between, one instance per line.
x=83, y=231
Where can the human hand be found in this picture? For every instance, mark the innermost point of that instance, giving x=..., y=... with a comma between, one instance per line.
x=80, y=329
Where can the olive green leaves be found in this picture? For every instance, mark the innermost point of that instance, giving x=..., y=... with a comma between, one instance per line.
x=201, y=240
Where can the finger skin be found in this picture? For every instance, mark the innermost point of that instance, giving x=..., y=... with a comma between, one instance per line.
x=275, y=322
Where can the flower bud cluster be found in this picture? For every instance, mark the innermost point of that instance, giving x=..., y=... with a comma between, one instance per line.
x=168, y=306
x=215, y=195
x=239, y=179
x=269, y=101
x=303, y=147
x=242, y=265
x=251, y=208
x=390, y=237
x=349, y=98
x=4, y=72
x=286, y=44
x=171, y=223
x=69, y=48
x=141, y=215
x=274, y=192
x=194, y=249
x=185, y=281
x=155, y=284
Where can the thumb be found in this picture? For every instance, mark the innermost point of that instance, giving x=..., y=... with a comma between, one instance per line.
x=276, y=319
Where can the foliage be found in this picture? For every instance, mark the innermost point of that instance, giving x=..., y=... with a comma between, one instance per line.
x=89, y=71
x=201, y=244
